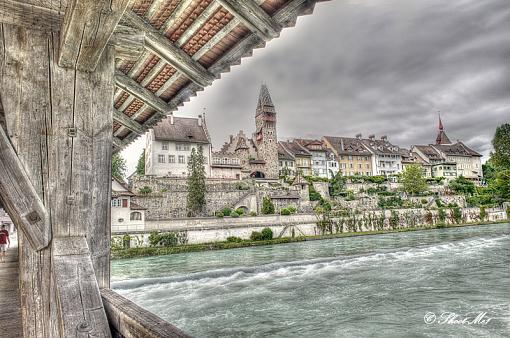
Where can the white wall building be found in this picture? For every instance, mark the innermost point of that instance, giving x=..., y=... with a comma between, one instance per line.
x=126, y=215
x=324, y=162
x=170, y=143
x=386, y=157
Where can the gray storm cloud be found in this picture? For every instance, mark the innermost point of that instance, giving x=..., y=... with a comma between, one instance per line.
x=378, y=66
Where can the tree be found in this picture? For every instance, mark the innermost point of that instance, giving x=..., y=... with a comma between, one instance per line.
x=196, y=183
x=462, y=185
x=140, y=167
x=502, y=184
x=413, y=181
x=500, y=158
x=118, y=167
x=337, y=184
x=267, y=206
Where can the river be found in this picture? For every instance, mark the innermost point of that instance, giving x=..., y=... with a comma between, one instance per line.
x=367, y=286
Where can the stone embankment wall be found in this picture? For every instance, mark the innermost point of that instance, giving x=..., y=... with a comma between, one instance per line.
x=207, y=230
x=167, y=197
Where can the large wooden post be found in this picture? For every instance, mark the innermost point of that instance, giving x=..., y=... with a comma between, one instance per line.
x=59, y=122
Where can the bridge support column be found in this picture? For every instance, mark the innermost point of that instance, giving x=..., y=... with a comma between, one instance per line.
x=59, y=123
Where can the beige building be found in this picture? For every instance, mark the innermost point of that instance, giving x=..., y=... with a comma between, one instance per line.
x=352, y=155
x=302, y=157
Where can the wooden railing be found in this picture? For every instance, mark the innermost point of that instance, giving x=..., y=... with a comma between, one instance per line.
x=129, y=320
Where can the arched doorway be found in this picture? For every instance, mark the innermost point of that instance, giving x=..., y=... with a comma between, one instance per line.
x=257, y=174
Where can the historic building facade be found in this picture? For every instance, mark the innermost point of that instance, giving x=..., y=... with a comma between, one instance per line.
x=170, y=143
x=352, y=155
x=324, y=163
x=301, y=156
x=257, y=155
x=386, y=157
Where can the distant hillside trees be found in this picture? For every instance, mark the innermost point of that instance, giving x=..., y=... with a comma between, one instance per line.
x=140, y=167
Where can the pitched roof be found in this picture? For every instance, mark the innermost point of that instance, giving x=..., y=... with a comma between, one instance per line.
x=312, y=145
x=135, y=206
x=429, y=151
x=283, y=154
x=380, y=146
x=457, y=149
x=183, y=129
x=347, y=145
x=295, y=149
x=442, y=138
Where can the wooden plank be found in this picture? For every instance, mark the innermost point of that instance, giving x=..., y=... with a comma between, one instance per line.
x=87, y=27
x=128, y=122
x=20, y=197
x=131, y=86
x=129, y=43
x=173, y=55
x=80, y=306
x=132, y=321
x=14, y=12
x=253, y=17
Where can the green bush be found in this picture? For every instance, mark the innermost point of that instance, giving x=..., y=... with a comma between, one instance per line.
x=439, y=203
x=424, y=201
x=234, y=214
x=226, y=211
x=461, y=185
x=126, y=241
x=483, y=213
x=256, y=236
x=234, y=239
x=164, y=190
x=253, y=213
x=240, y=211
x=350, y=196
x=442, y=214
x=219, y=214
x=390, y=202
x=457, y=214
x=267, y=206
x=292, y=209
x=145, y=190
x=285, y=212
x=267, y=234
x=163, y=239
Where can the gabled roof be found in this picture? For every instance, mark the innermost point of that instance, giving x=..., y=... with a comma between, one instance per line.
x=430, y=152
x=348, y=146
x=311, y=144
x=283, y=154
x=265, y=103
x=442, y=138
x=183, y=129
x=457, y=149
x=295, y=149
x=380, y=147
x=119, y=188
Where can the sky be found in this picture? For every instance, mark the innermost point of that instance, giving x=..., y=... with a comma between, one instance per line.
x=383, y=67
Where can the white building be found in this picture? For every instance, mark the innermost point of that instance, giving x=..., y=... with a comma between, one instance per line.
x=169, y=145
x=126, y=215
x=386, y=157
x=324, y=163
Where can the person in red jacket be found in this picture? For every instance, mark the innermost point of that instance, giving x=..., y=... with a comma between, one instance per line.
x=5, y=242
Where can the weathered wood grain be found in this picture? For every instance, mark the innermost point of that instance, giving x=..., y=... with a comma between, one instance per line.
x=86, y=29
x=59, y=121
x=129, y=320
x=129, y=43
x=18, y=13
x=20, y=197
x=81, y=308
x=173, y=55
x=128, y=122
x=253, y=17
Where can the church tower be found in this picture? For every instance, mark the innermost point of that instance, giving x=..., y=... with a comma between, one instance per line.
x=441, y=135
x=265, y=135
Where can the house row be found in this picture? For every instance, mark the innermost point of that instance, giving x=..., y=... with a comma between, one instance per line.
x=260, y=155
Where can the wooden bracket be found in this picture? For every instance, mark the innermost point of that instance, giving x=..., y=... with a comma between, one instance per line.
x=20, y=197
x=81, y=308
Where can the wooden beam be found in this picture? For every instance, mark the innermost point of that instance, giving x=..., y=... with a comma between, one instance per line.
x=117, y=142
x=134, y=88
x=253, y=17
x=17, y=13
x=20, y=197
x=161, y=46
x=87, y=27
x=129, y=43
x=126, y=318
x=127, y=122
x=80, y=305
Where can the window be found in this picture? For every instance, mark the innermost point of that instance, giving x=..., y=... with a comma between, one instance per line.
x=368, y=166
x=182, y=147
x=171, y=158
x=359, y=166
x=350, y=157
x=136, y=216
x=351, y=166
x=164, y=145
x=161, y=158
x=281, y=164
x=181, y=159
x=116, y=202
x=124, y=202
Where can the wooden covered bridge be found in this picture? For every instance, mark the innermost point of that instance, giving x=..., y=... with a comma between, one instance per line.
x=71, y=71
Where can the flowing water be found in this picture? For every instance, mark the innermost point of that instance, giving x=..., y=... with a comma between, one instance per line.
x=367, y=286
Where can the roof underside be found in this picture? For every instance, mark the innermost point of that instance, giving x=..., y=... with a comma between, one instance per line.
x=211, y=37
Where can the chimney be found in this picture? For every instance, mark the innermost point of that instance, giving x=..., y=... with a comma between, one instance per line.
x=384, y=138
x=358, y=136
x=371, y=137
x=171, y=118
x=200, y=121
x=231, y=138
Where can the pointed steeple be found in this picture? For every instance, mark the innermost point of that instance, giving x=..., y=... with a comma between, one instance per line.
x=265, y=103
x=441, y=136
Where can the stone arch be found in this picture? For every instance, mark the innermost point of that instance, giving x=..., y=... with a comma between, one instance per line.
x=258, y=174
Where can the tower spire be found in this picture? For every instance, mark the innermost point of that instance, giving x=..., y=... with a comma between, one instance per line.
x=265, y=103
x=441, y=135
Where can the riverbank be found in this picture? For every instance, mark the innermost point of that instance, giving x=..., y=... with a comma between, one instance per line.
x=157, y=251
